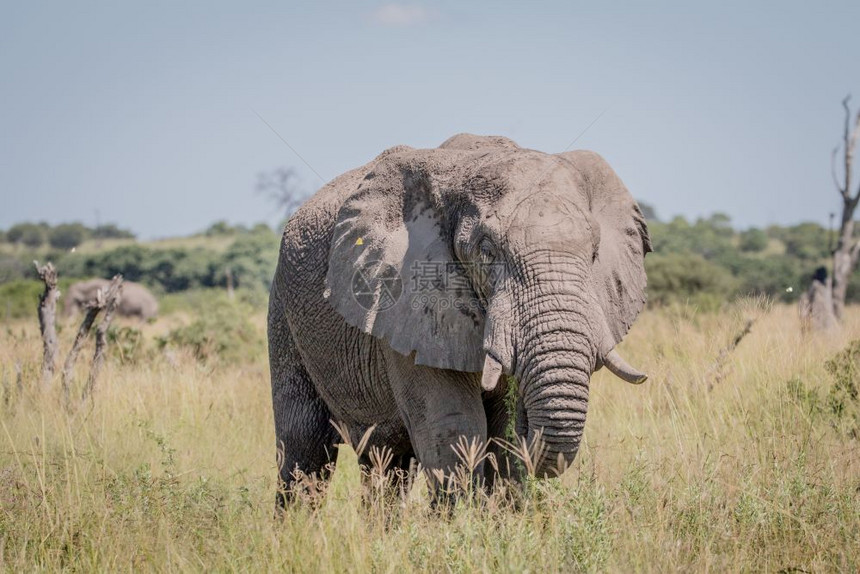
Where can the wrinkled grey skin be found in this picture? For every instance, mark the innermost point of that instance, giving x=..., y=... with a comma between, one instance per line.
x=570, y=241
x=135, y=301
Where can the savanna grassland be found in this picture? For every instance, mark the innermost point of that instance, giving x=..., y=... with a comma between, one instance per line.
x=746, y=459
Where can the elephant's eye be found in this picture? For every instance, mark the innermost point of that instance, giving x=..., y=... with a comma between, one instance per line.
x=486, y=252
x=485, y=272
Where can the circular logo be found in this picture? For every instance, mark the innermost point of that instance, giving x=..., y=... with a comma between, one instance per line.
x=377, y=285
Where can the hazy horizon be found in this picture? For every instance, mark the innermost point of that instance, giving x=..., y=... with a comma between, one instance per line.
x=152, y=114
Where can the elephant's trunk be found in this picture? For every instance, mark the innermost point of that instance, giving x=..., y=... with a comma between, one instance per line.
x=554, y=365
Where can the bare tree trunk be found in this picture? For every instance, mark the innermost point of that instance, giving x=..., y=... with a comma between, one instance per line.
x=93, y=309
x=844, y=262
x=83, y=330
x=847, y=248
x=47, y=320
x=112, y=299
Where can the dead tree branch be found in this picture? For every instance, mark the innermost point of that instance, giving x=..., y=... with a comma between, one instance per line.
x=47, y=319
x=93, y=309
x=282, y=188
x=849, y=141
x=833, y=170
x=847, y=252
x=717, y=371
x=111, y=300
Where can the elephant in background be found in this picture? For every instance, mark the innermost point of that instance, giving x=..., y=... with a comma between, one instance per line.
x=135, y=301
x=408, y=288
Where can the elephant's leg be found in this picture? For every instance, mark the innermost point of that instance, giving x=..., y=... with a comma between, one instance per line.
x=306, y=439
x=440, y=409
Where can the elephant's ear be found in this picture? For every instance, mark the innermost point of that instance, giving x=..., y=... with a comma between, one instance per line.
x=619, y=271
x=392, y=273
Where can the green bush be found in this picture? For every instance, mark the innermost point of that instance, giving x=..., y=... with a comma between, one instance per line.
x=111, y=231
x=852, y=293
x=677, y=277
x=12, y=268
x=126, y=344
x=807, y=241
x=223, y=333
x=30, y=234
x=781, y=277
x=198, y=301
x=219, y=228
x=710, y=238
x=252, y=258
x=169, y=270
x=843, y=398
x=19, y=298
x=67, y=235
x=753, y=240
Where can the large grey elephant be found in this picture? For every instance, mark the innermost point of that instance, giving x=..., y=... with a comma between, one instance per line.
x=408, y=288
x=135, y=301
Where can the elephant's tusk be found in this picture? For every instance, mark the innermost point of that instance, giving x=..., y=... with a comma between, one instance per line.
x=621, y=369
x=492, y=373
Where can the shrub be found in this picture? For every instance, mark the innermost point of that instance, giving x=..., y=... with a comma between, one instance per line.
x=710, y=238
x=19, y=298
x=12, y=268
x=252, y=258
x=780, y=277
x=223, y=333
x=690, y=278
x=171, y=270
x=67, y=235
x=126, y=343
x=219, y=228
x=753, y=240
x=111, y=231
x=852, y=294
x=199, y=301
x=30, y=234
x=844, y=396
x=807, y=241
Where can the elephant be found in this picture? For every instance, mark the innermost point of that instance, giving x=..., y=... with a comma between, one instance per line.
x=135, y=300
x=409, y=290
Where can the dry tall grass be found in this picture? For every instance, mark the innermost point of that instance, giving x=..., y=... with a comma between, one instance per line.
x=737, y=464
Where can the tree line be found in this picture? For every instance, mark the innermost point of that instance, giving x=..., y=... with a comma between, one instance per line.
x=249, y=258
x=62, y=236
x=708, y=261
x=704, y=262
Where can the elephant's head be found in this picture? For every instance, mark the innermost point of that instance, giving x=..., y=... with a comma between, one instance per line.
x=510, y=261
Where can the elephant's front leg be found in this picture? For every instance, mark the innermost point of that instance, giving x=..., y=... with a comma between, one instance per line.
x=444, y=414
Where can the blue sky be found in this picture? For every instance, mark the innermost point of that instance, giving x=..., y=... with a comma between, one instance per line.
x=146, y=112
